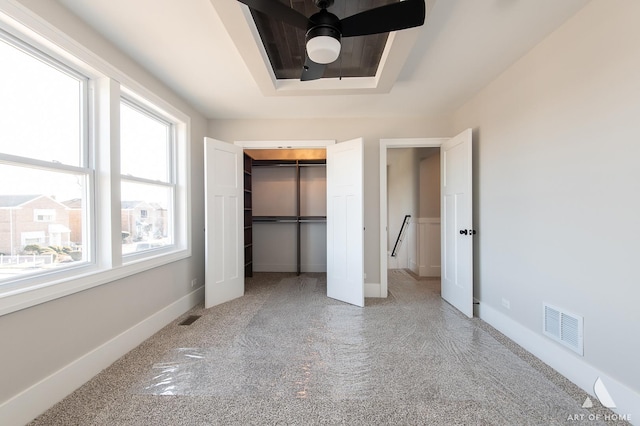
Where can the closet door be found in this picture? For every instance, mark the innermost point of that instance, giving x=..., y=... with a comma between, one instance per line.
x=345, y=222
x=224, y=222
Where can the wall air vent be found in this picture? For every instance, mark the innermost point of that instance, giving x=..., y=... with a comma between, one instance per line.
x=563, y=327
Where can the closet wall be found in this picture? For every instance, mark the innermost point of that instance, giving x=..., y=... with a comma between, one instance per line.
x=289, y=215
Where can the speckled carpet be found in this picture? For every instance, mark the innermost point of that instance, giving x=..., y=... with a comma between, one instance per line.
x=286, y=354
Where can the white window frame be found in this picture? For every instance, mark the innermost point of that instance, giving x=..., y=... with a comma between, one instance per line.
x=170, y=182
x=106, y=85
x=84, y=167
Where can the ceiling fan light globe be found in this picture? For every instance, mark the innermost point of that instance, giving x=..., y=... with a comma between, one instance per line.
x=323, y=49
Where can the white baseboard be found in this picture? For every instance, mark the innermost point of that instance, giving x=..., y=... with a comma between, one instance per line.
x=413, y=266
x=313, y=267
x=372, y=290
x=570, y=365
x=30, y=403
x=429, y=271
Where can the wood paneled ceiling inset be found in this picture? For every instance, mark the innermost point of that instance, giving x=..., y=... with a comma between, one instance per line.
x=284, y=44
x=287, y=154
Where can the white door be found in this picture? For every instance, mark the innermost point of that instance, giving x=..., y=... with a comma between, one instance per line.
x=457, y=223
x=345, y=222
x=224, y=222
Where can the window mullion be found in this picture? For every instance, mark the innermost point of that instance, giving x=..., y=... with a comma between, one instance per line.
x=107, y=157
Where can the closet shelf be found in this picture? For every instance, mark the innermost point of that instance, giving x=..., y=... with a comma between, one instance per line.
x=287, y=163
x=288, y=219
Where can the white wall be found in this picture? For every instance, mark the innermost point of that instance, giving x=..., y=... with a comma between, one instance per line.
x=38, y=342
x=429, y=182
x=429, y=213
x=371, y=129
x=557, y=190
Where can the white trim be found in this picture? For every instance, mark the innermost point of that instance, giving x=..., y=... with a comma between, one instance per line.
x=384, y=145
x=293, y=144
x=371, y=289
x=565, y=362
x=30, y=403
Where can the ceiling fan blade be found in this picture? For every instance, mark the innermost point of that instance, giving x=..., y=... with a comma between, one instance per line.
x=279, y=11
x=392, y=17
x=311, y=70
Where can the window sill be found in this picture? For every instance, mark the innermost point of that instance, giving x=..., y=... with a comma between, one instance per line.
x=26, y=296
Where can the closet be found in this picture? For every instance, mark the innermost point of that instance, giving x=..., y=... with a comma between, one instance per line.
x=285, y=211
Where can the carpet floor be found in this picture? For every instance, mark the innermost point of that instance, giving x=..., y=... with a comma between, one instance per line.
x=286, y=354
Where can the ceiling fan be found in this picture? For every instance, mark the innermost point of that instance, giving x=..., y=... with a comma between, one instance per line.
x=324, y=30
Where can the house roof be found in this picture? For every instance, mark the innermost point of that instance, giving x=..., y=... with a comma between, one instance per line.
x=19, y=200
x=74, y=203
x=8, y=201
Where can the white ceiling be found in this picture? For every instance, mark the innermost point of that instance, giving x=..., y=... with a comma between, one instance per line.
x=463, y=46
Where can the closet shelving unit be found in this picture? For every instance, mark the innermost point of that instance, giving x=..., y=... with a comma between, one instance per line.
x=298, y=218
x=248, y=218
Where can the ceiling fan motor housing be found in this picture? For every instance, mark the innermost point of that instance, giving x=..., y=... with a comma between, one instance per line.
x=323, y=37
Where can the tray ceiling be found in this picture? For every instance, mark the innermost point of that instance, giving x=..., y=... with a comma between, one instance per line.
x=285, y=47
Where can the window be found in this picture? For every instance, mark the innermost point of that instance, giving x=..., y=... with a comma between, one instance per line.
x=147, y=183
x=43, y=164
x=44, y=215
x=64, y=175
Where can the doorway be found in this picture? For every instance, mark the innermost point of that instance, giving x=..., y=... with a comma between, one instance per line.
x=387, y=232
x=344, y=214
x=413, y=210
x=224, y=218
x=457, y=231
x=285, y=210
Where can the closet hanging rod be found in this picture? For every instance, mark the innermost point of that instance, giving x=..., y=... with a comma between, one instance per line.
x=289, y=163
x=273, y=165
x=275, y=219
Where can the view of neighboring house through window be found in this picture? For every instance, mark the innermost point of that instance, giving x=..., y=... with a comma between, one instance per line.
x=44, y=166
x=94, y=169
x=147, y=182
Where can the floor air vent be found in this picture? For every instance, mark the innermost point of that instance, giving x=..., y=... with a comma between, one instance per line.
x=563, y=327
x=190, y=320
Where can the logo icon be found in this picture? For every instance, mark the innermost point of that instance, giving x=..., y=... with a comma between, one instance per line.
x=603, y=395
